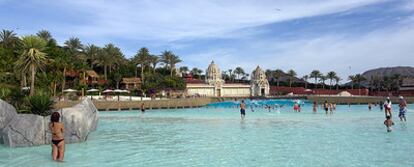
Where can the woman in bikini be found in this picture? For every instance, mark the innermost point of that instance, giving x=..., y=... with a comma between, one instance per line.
x=58, y=143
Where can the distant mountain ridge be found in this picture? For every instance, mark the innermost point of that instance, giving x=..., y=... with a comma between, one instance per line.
x=405, y=71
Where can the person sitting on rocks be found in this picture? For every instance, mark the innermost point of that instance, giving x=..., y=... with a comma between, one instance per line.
x=58, y=144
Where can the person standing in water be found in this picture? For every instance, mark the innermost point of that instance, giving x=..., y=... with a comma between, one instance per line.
x=242, y=109
x=388, y=123
x=142, y=107
x=58, y=133
x=315, y=106
x=330, y=108
x=403, y=109
x=326, y=107
x=387, y=106
x=381, y=105
x=369, y=106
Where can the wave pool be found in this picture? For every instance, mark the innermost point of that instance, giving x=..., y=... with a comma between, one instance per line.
x=215, y=136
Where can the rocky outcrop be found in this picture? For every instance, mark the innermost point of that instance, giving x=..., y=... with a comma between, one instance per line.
x=29, y=130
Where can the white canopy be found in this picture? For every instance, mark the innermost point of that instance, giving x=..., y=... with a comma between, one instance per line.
x=69, y=90
x=107, y=91
x=93, y=90
x=26, y=88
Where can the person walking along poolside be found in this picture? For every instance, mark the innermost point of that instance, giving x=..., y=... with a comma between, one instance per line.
x=58, y=130
x=242, y=109
x=403, y=109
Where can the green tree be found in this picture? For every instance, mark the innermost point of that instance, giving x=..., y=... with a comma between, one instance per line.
x=142, y=59
x=32, y=57
x=331, y=76
x=305, y=78
x=184, y=69
x=170, y=59
x=315, y=74
x=353, y=80
x=292, y=74
x=322, y=79
x=239, y=72
x=358, y=79
x=337, y=79
x=277, y=74
x=154, y=60
x=92, y=52
x=8, y=39
x=196, y=72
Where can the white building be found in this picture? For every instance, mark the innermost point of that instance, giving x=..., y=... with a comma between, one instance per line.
x=215, y=86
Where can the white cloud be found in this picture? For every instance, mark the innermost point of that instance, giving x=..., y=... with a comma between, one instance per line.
x=174, y=20
x=383, y=48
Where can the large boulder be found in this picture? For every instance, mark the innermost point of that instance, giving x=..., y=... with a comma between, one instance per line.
x=79, y=121
x=25, y=130
x=30, y=130
x=7, y=113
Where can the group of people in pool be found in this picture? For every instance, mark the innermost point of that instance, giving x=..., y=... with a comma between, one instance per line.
x=387, y=105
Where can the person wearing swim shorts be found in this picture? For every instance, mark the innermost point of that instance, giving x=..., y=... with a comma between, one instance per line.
x=242, y=109
x=403, y=109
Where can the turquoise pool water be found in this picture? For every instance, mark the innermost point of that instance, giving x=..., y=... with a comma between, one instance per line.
x=217, y=137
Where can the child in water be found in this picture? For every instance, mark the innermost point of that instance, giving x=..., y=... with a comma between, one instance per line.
x=388, y=123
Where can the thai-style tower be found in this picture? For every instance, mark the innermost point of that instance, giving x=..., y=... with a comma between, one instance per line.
x=259, y=83
x=213, y=78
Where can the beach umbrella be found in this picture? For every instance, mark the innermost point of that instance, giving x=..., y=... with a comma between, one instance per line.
x=93, y=90
x=118, y=91
x=69, y=90
x=107, y=91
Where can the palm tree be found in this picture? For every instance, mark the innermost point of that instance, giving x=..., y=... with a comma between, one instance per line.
x=63, y=62
x=239, y=71
x=315, y=74
x=337, y=79
x=322, y=79
x=353, y=80
x=142, y=59
x=74, y=45
x=45, y=35
x=92, y=52
x=359, y=78
x=8, y=39
x=196, y=72
x=231, y=74
x=278, y=74
x=184, y=69
x=32, y=57
x=154, y=60
x=305, y=78
x=170, y=59
x=292, y=74
x=331, y=76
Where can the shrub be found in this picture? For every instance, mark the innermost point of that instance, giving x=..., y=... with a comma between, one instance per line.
x=41, y=104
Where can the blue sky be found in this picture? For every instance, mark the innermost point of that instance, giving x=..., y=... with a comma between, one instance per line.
x=301, y=35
